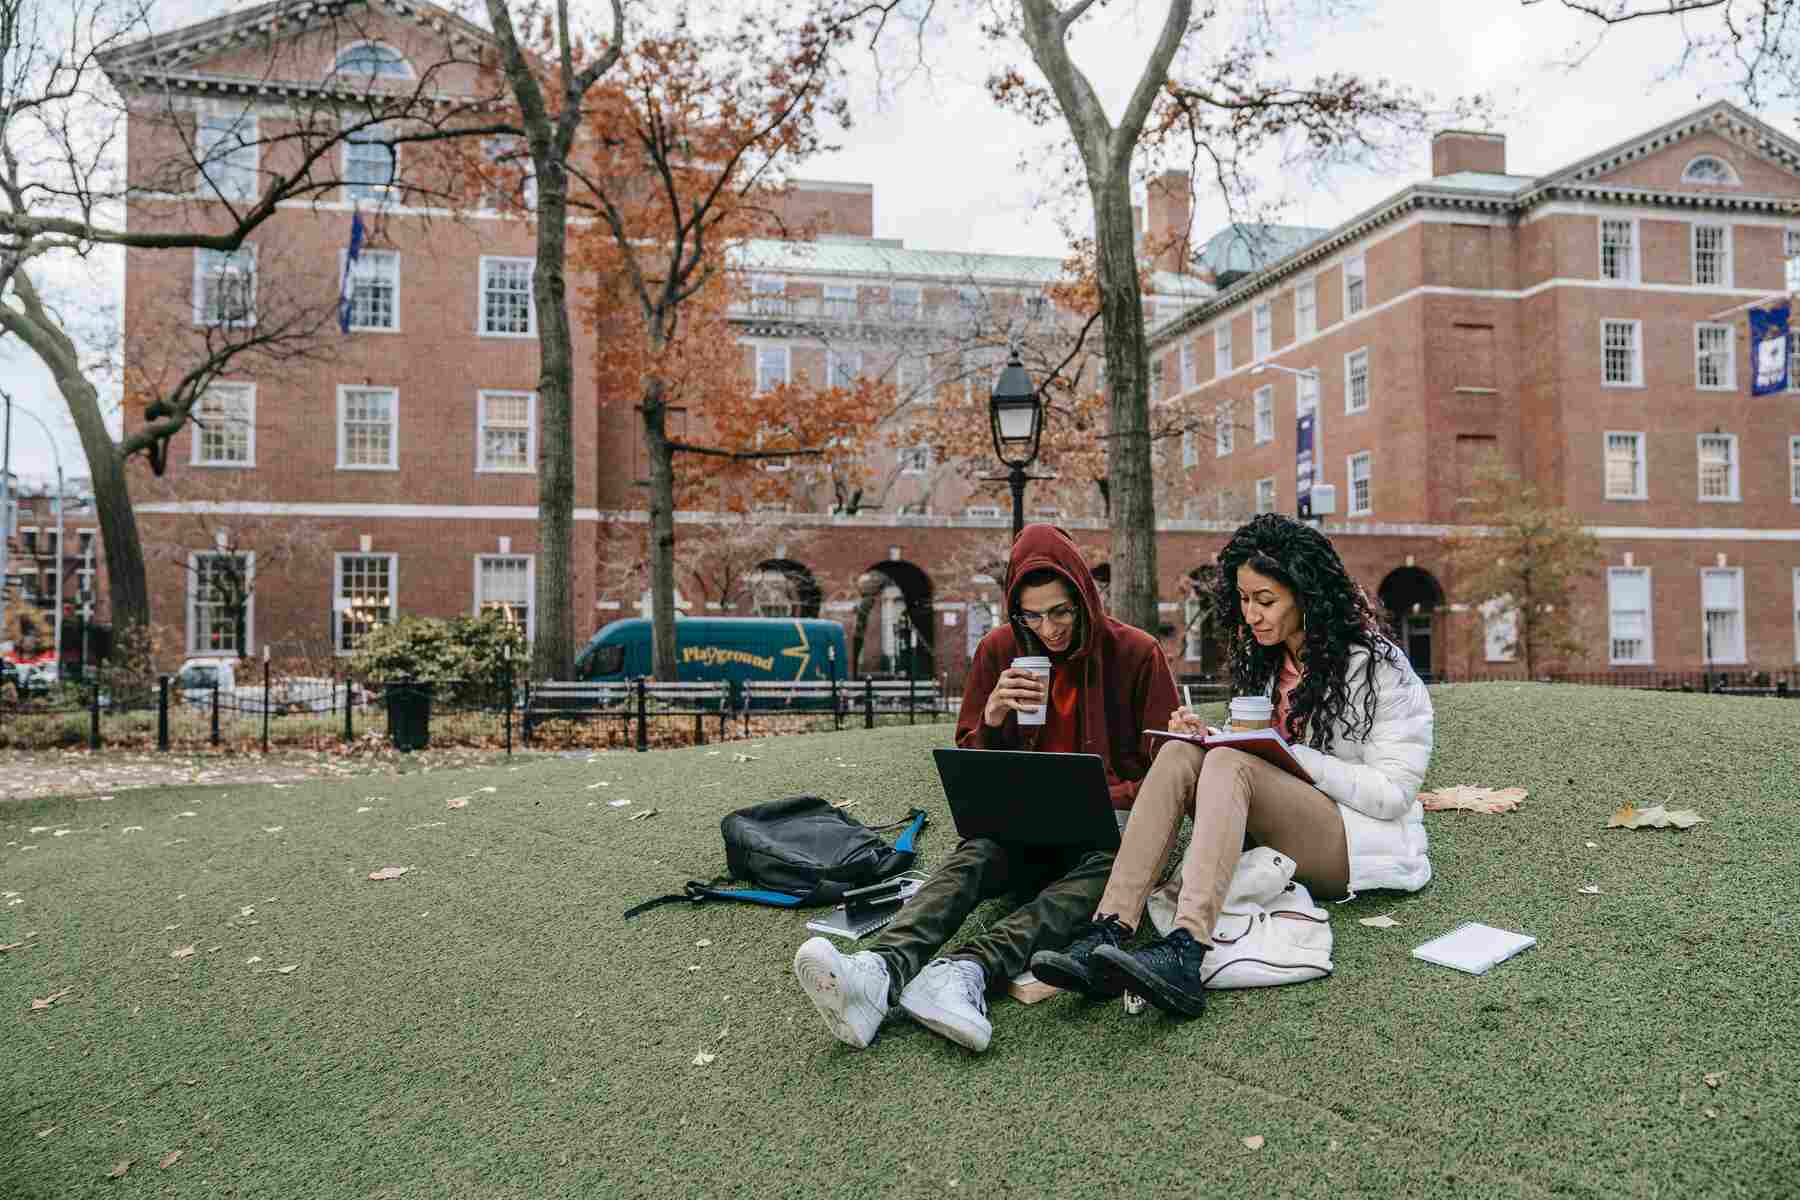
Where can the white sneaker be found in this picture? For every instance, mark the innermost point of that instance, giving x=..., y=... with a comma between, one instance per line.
x=950, y=997
x=851, y=993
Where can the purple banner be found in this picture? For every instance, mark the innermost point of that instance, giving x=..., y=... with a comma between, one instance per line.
x=1769, y=350
x=1303, y=463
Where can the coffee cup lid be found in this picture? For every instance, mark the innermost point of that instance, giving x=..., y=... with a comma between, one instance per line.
x=1026, y=662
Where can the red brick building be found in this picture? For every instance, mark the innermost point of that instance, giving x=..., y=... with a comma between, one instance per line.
x=1563, y=320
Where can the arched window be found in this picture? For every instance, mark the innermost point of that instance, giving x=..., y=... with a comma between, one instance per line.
x=1709, y=169
x=372, y=60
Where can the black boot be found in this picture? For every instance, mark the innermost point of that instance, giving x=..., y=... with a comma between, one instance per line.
x=1166, y=972
x=1073, y=969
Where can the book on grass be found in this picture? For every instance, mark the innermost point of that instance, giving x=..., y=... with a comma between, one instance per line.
x=1027, y=988
x=1473, y=947
x=867, y=909
x=1266, y=744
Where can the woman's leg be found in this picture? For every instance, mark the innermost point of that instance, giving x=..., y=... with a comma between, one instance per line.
x=1239, y=793
x=1166, y=793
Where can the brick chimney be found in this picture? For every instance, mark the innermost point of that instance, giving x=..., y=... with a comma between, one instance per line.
x=1454, y=150
x=1169, y=219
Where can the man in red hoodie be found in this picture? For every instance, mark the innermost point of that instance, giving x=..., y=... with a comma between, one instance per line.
x=1109, y=682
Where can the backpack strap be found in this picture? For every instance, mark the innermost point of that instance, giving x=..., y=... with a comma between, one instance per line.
x=699, y=893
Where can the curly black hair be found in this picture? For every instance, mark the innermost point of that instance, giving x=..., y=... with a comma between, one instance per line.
x=1336, y=616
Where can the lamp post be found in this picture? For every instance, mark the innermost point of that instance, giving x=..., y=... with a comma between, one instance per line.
x=1016, y=414
x=57, y=455
x=1313, y=501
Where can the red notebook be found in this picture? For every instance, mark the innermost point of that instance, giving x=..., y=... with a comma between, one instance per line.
x=1266, y=744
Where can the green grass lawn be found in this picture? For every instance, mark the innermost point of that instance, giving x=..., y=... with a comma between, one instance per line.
x=487, y=1026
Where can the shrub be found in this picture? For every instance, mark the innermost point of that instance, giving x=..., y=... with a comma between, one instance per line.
x=469, y=651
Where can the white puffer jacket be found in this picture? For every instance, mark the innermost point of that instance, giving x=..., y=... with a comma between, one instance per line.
x=1375, y=781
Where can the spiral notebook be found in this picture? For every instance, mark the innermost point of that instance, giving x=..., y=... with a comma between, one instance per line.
x=850, y=921
x=1474, y=947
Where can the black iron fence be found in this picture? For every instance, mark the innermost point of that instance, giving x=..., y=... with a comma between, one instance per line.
x=1734, y=681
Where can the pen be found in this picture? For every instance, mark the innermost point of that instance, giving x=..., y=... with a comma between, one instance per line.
x=1187, y=697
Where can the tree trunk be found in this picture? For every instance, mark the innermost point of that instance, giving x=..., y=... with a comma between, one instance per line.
x=1131, y=501
x=127, y=587
x=662, y=534
x=553, y=643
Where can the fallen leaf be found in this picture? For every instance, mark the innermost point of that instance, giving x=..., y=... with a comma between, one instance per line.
x=703, y=1058
x=253, y=960
x=189, y=1082
x=120, y=1167
x=388, y=873
x=1254, y=1142
x=457, y=802
x=132, y=829
x=703, y=943
x=62, y=833
x=287, y=970
x=247, y=911
x=1381, y=922
x=38, y=829
x=617, y=803
x=1712, y=1114
x=1468, y=798
x=1589, y=890
x=694, y=968
x=44, y=1133
x=1592, y=845
x=273, y=828
x=189, y=813
x=215, y=949
x=365, y=808
x=181, y=952
x=1654, y=817
x=47, y=1001
x=12, y=946
x=489, y=790
x=1714, y=1078
x=639, y=816
x=592, y=786
x=168, y=1160
x=743, y=758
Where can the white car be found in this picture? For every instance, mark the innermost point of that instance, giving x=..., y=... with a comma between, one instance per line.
x=199, y=677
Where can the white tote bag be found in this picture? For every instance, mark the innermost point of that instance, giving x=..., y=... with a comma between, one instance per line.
x=1269, y=932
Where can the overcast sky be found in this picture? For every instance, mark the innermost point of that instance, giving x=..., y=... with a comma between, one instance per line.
x=945, y=163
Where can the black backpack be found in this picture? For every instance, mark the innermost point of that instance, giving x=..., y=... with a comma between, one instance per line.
x=800, y=852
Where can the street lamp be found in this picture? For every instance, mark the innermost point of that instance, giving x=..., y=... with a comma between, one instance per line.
x=1016, y=413
x=1313, y=501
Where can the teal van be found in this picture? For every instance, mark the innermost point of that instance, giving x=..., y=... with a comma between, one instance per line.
x=721, y=650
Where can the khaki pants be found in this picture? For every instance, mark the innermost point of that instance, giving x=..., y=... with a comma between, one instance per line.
x=1230, y=795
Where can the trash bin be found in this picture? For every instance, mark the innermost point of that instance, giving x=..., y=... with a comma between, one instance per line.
x=409, y=715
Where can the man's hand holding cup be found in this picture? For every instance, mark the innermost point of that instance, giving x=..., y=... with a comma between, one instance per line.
x=1023, y=688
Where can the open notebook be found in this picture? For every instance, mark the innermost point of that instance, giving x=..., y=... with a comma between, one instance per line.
x=1474, y=947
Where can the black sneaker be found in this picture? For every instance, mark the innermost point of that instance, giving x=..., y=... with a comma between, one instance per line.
x=1166, y=972
x=1073, y=969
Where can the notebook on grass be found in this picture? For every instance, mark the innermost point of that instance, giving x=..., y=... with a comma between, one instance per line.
x=867, y=909
x=1474, y=947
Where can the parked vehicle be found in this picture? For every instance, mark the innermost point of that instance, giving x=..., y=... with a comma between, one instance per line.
x=721, y=650
x=198, y=677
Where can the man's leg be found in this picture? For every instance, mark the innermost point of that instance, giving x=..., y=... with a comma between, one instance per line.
x=976, y=870
x=1046, y=922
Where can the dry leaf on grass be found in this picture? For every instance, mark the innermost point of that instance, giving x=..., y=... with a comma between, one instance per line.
x=1254, y=1142
x=287, y=970
x=189, y=813
x=489, y=790
x=253, y=960
x=1712, y=1114
x=737, y=758
x=702, y=1058
x=618, y=804
x=388, y=873
x=40, y=1005
x=457, y=802
x=639, y=816
x=1467, y=798
x=1382, y=922
x=44, y=1133
x=703, y=943
x=168, y=1160
x=181, y=952
x=273, y=828
x=1714, y=1078
x=247, y=911
x=365, y=808
x=120, y=1167
x=1589, y=890
x=1654, y=817
x=132, y=829
x=13, y=946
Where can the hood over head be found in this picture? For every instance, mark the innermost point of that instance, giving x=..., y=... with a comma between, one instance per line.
x=1040, y=547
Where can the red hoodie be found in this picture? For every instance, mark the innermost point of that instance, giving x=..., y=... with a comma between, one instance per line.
x=1125, y=684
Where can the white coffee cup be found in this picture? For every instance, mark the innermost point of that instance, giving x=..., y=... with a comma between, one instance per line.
x=1038, y=665
x=1251, y=712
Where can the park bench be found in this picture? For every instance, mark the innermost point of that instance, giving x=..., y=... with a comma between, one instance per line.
x=872, y=696
x=625, y=701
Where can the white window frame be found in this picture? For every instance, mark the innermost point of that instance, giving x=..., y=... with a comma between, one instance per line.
x=232, y=173
x=343, y=396
x=337, y=586
x=982, y=512
x=1190, y=367
x=1727, y=369
x=1637, y=353
x=359, y=190
x=482, y=464
x=914, y=460
x=365, y=269
x=1640, y=489
x=1649, y=638
x=1262, y=330
x=1730, y=441
x=1222, y=348
x=1224, y=436
x=210, y=264
x=1725, y=265
x=1734, y=654
x=1263, y=400
x=1356, y=268
x=1731, y=176
x=245, y=416
x=768, y=295
x=1633, y=262
x=1790, y=250
x=906, y=302
x=1306, y=316
x=1794, y=469
x=337, y=62
x=485, y=278
x=1266, y=483
x=1350, y=364
x=1368, y=461
x=1306, y=399
x=787, y=366
x=833, y=296
x=530, y=561
x=193, y=583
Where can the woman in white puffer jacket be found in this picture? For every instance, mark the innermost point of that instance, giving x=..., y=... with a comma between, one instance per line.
x=1359, y=721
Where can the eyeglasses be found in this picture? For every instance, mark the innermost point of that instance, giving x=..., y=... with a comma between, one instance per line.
x=1062, y=614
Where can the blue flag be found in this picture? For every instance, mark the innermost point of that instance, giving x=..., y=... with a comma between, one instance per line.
x=350, y=257
x=1304, y=476
x=1769, y=350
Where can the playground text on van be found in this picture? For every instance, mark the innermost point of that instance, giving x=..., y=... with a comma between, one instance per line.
x=713, y=656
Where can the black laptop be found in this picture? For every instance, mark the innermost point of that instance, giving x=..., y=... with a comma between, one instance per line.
x=1027, y=798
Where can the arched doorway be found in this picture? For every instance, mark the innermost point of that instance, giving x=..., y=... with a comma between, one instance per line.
x=781, y=587
x=898, y=594
x=1201, y=650
x=1411, y=596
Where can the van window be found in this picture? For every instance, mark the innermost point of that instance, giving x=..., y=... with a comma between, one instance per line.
x=608, y=660
x=198, y=677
